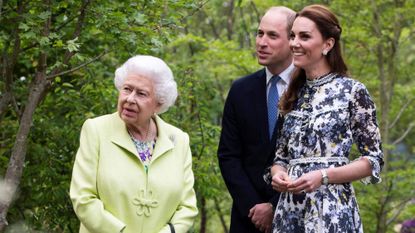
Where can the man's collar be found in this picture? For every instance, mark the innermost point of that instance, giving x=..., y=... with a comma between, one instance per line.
x=285, y=74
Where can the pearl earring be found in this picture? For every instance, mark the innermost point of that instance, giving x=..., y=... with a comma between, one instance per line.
x=325, y=52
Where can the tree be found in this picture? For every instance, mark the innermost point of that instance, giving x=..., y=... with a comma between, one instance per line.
x=44, y=42
x=377, y=45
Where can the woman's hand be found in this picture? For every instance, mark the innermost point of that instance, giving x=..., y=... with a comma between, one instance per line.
x=280, y=181
x=307, y=183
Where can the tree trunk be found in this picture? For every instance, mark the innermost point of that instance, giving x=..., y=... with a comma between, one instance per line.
x=17, y=158
x=4, y=102
x=229, y=20
x=9, y=61
x=384, y=108
x=37, y=91
x=245, y=37
x=203, y=215
x=1, y=7
x=386, y=53
x=221, y=216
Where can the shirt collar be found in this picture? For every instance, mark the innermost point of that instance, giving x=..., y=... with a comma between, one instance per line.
x=285, y=75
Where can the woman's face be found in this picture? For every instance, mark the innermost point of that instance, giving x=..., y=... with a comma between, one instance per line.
x=307, y=44
x=137, y=101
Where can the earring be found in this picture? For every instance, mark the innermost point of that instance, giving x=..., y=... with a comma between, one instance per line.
x=325, y=52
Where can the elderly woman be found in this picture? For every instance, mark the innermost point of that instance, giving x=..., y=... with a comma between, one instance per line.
x=133, y=171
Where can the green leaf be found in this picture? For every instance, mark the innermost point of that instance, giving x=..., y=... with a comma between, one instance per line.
x=72, y=46
x=44, y=41
x=67, y=85
x=139, y=18
x=23, y=27
x=58, y=44
x=44, y=15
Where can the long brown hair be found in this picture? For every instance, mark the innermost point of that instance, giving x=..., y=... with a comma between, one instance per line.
x=329, y=27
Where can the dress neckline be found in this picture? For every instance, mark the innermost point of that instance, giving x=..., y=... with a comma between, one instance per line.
x=321, y=80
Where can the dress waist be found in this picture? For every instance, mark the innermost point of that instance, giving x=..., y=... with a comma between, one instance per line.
x=325, y=160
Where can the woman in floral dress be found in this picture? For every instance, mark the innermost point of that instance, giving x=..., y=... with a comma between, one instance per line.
x=325, y=112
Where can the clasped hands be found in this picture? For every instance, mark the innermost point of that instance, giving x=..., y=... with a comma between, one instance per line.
x=261, y=216
x=306, y=183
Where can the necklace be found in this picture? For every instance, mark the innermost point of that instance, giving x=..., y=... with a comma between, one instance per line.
x=326, y=78
x=144, y=147
x=316, y=77
x=146, y=138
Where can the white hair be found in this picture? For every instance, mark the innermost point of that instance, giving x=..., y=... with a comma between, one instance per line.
x=156, y=70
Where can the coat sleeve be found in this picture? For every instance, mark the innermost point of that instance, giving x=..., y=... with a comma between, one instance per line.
x=186, y=211
x=230, y=158
x=83, y=190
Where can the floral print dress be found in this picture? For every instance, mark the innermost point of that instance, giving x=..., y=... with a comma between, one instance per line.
x=331, y=113
x=144, y=150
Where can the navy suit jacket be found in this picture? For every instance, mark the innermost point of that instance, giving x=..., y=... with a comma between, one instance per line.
x=245, y=149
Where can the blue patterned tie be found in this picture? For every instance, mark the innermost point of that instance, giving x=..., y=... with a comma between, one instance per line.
x=273, y=104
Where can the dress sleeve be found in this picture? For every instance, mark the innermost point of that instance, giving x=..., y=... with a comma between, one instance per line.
x=366, y=131
x=83, y=191
x=281, y=155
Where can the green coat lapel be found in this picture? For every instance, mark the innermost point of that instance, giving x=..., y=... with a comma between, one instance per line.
x=120, y=136
x=165, y=139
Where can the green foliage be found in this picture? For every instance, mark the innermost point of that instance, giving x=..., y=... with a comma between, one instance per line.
x=208, y=44
x=394, y=193
x=120, y=28
x=377, y=46
x=54, y=139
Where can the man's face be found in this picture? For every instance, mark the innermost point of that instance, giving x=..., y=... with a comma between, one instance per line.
x=272, y=42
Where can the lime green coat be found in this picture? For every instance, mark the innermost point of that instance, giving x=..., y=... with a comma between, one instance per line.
x=112, y=192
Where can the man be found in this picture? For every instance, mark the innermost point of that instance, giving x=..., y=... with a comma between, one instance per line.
x=248, y=137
